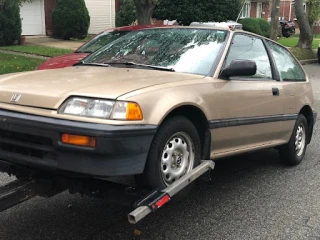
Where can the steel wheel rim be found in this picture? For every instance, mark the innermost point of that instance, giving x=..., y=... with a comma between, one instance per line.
x=177, y=158
x=300, y=140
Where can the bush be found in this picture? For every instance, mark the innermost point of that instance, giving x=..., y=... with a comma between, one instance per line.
x=70, y=19
x=257, y=25
x=10, y=22
x=188, y=11
x=127, y=13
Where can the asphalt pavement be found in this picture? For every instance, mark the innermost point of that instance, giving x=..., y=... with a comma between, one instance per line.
x=252, y=196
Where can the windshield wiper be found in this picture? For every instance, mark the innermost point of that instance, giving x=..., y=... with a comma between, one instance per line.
x=141, y=65
x=91, y=64
x=84, y=52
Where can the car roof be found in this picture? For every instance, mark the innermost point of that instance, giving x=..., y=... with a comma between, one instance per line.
x=141, y=27
x=135, y=27
x=197, y=27
x=214, y=23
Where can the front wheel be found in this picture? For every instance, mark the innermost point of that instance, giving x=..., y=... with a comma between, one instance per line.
x=293, y=152
x=174, y=152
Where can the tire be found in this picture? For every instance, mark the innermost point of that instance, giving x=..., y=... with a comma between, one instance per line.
x=176, y=136
x=291, y=153
x=286, y=34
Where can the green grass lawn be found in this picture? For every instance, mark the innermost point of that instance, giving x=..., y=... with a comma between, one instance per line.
x=10, y=63
x=298, y=35
x=303, y=54
x=293, y=42
x=38, y=50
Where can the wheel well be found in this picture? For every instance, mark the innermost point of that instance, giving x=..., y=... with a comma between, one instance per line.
x=308, y=113
x=198, y=118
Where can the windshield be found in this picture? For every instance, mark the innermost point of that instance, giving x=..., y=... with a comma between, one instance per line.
x=185, y=50
x=100, y=41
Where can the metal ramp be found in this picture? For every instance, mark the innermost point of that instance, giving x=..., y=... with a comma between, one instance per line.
x=142, y=201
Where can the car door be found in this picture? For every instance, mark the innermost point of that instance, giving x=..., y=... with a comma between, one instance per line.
x=250, y=108
x=294, y=84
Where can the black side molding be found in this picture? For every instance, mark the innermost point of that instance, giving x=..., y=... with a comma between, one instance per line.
x=250, y=120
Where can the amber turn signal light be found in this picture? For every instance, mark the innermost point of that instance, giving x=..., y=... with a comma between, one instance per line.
x=78, y=140
x=134, y=112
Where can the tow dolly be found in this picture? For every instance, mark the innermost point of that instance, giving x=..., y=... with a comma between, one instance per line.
x=30, y=184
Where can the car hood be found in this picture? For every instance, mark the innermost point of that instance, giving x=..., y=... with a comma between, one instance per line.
x=62, y=61
x=48, y=89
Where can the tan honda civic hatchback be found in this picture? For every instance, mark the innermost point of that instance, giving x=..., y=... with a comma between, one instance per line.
x=155, y=102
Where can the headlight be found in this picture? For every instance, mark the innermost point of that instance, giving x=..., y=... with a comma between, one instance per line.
x=87, y=107
x=100, y=108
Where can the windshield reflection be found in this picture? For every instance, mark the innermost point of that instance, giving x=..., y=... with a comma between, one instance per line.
x=181, y=49
x=100, y=41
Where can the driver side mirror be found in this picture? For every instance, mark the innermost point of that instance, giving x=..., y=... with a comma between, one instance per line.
x=239, y=68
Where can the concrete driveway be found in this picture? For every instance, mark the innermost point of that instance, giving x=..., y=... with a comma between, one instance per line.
x=52, y=42
x=252, y=196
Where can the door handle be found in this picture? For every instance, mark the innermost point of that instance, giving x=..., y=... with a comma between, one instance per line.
x=275, y=92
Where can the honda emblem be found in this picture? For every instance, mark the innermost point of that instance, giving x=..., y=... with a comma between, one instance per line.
x=15, y=98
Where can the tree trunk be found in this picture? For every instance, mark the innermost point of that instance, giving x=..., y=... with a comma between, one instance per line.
x=275, y=20
x=306, y=36
x=144, y=11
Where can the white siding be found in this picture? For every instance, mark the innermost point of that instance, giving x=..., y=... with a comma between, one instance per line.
x=113, y=13
x=32, y=15
x=102, y=15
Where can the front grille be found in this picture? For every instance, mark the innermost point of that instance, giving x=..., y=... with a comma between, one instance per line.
x=26, y=144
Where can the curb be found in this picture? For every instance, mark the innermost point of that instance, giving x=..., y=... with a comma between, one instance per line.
x=310, y=61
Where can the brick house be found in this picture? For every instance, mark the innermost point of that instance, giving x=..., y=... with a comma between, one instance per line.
x=263, y=8
x=36, y=16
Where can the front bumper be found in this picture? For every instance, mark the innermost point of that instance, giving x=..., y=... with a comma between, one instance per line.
x=34, y=141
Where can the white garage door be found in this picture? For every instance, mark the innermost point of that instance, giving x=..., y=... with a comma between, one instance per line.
x=102, y=15
x=32, y=15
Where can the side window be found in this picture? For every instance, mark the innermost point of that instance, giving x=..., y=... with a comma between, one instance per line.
x=289, y=69
x=247, y=47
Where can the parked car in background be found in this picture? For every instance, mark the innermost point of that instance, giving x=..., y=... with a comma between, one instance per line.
x=91, y=46
x=155, y=102
x=287, y=28
x=229, y=24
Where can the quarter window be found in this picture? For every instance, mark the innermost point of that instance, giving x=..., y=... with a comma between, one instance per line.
x=289, y=69
x=245, y=47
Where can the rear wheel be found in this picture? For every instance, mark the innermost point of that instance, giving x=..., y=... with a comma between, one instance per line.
x=293, y=152
x=174, y=152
